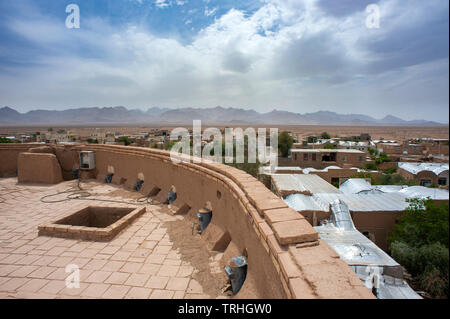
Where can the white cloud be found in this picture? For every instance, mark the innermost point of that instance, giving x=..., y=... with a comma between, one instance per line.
x=163, y=3
x=288, y=54
x=210, y=12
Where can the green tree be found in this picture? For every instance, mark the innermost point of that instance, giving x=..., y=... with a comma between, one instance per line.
x=420, y=241
x=5, y=140
x=125, y=140
x=285, y=142
x=325, y=136
x=383, y=157
x=170, y=144
x=423, y=222
x=393, y=179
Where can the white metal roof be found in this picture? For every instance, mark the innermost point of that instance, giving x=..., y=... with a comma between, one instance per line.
x=362, y=186
x=353, y=247
x=371, y=202
x=355, y=186
x=424, y=192
x=351, y=143
x=310, y=169
x=415, y=168
x=366, y=259
x=267, y=169
x=302, y=183
x=301, y=202
x=389, y=188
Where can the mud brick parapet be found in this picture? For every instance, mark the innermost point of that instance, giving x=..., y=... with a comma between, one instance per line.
x=286, y=258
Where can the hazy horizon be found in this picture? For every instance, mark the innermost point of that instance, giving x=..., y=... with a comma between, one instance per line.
x=300, y=56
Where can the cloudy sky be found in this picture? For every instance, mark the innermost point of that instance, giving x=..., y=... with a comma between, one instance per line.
x=295, y=55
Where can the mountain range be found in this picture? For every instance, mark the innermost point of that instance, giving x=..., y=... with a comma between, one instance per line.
x=216, y=115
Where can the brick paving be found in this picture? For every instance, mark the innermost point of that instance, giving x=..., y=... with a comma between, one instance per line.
x=138, y=263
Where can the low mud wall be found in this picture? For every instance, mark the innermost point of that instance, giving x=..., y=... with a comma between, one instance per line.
x=9, y=153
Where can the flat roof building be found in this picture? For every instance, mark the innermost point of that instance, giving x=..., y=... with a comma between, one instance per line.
x=425, y=174
x=321, y=158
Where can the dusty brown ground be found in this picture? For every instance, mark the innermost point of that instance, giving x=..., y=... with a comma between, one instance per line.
x=377, y=132
x=190, y=244
x=193, y=249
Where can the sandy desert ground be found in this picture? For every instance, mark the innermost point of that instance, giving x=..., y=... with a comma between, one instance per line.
x=299, y=131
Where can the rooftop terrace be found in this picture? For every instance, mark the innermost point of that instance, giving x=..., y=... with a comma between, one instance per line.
x=141, y=262
x=158, y=254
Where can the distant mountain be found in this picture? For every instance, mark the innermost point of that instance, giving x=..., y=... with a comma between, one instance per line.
x=216, y=115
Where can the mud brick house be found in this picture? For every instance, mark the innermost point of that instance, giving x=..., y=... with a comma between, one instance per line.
x=425, y=174
x=321, y=158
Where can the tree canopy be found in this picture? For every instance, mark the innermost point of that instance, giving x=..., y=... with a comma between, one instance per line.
x=420, y=242
x=285, y=142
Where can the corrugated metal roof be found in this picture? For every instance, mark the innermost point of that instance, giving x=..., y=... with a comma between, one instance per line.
x=389, y=188
x=351, y=143
x=372, y=202
x=355, y=186
x=366, y=202
x=267, y=169
x=301, y=183
x=301, y=202
x=340, y=216
x=367, y=260
x=396, y=291
x=424, y=192
x=416, y=168
x=309, y=169
x=353, y=247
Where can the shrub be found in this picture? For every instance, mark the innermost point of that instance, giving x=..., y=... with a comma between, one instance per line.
x=125, y=140
x=370, y=166
x=170, y=144
x=423, y=223
x=285, y=142
x=428, y=264
x=420, y=243
x=393, y=179
x=390, y=170
x=382, y=158
x=435, y=282
x=5, y=140
x=325, y=136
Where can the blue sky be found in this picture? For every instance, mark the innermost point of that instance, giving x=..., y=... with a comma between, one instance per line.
x=295, y=55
